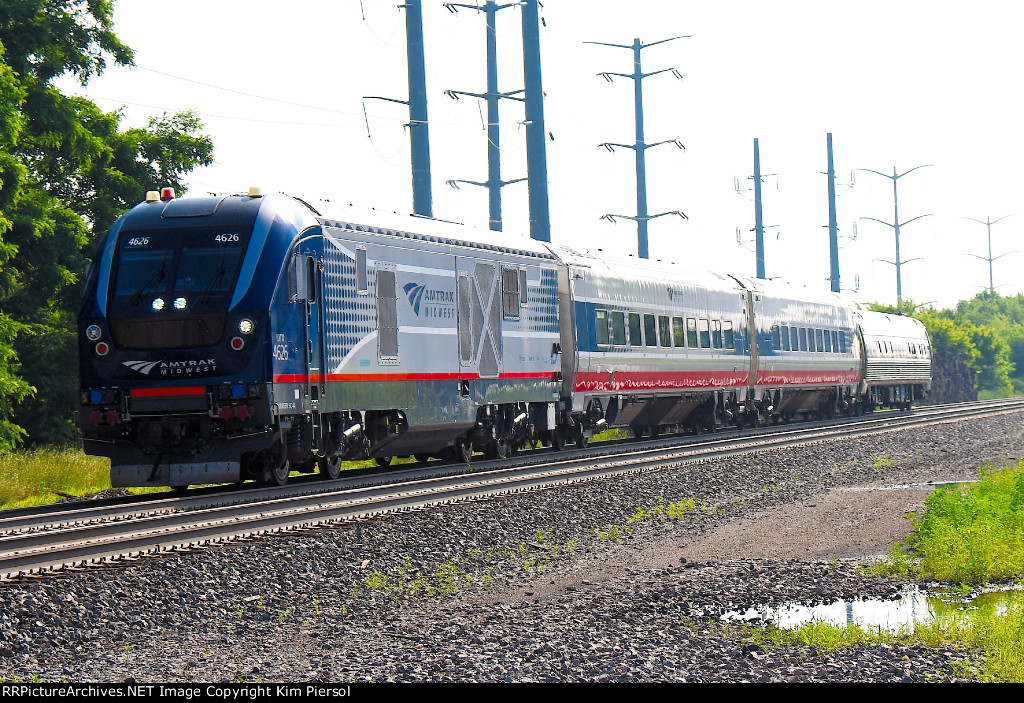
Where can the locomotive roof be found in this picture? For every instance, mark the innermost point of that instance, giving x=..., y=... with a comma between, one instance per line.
x=427, y=229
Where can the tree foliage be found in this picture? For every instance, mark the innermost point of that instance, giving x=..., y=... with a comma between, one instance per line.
x=987, y=332
x=67, y=172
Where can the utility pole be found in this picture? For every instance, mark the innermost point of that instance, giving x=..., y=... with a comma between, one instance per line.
x=988, y=224
x=536, y=149
x=896, y=224
x=419, y=139
x=759, y=227
x=833, y=228
x=494, y=183
x=640, y=147
x=758, y=219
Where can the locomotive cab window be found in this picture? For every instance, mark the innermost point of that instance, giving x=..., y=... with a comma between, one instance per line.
x=171, y=288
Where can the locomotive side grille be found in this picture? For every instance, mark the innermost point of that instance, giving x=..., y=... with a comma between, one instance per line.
x=465, y=324
x=387, y=314
x=487, y=319
x=174, y=333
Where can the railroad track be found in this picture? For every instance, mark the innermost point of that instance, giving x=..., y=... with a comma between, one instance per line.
x=54, y=538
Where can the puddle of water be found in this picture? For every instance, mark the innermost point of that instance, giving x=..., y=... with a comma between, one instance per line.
x=913, y=606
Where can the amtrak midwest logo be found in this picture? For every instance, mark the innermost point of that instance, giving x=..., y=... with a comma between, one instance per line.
x=430, y=302
x=194, y=367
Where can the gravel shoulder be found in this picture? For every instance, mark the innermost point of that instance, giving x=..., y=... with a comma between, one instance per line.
x=536, y=587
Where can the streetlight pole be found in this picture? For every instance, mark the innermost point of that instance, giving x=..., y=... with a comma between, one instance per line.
x=988, y=224
x=896, y=224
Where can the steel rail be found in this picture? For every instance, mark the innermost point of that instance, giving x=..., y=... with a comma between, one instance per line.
x=80, y=544
x=62, y=515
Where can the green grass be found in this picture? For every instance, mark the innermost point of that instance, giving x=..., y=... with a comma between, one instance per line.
x=997, y=636
x=969, y=535
x=36, y=477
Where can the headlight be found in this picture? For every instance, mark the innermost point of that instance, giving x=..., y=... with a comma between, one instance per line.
x=246, y=326
x=180, y=303
x=158, y=304
x=93, y=332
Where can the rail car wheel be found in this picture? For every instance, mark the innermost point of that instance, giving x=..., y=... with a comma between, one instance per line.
x=557, y=439
x=463, y=451
x=581, y=439
x=383, y=461
x=329, y=468
x=498, y=449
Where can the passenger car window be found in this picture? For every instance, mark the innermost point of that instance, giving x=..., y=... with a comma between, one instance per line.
x=785, y=338
x=601, y=326
x=705, y=334
x=664, y=331
x=618, y=328
x=650, y=331
x=635, y=336
x=678, y=332
x=730, y=336
x=716, y=334
x=691, y=332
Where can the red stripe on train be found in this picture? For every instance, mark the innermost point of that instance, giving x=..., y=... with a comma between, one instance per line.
x=377, y=377
x=591, y=381
x=158, y=392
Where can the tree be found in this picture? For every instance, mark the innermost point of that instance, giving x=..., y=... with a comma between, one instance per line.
x=75, y=172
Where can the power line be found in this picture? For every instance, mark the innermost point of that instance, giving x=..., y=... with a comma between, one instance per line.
x=205, y=114
x=248, y=95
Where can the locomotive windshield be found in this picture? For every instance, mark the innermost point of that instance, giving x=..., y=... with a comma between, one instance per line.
x=172, y=288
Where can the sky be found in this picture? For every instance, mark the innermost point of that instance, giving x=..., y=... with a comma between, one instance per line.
x=900, y=84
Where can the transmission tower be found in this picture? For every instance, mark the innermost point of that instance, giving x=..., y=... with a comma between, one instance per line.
x=640, y=146
x=896, y=224
x=988, y=224
x=419, y=139
x=493, y=183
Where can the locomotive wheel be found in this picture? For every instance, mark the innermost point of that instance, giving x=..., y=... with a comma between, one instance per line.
x=463, y=451
x=383, y=461
x=279, y=475
x=582, y=440
x=557, y=439
x=329, y=468
x=498, y=449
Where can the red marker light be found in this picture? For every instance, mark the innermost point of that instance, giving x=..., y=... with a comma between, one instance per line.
x=102, y=348
x=167, y=193
x=237, y=343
